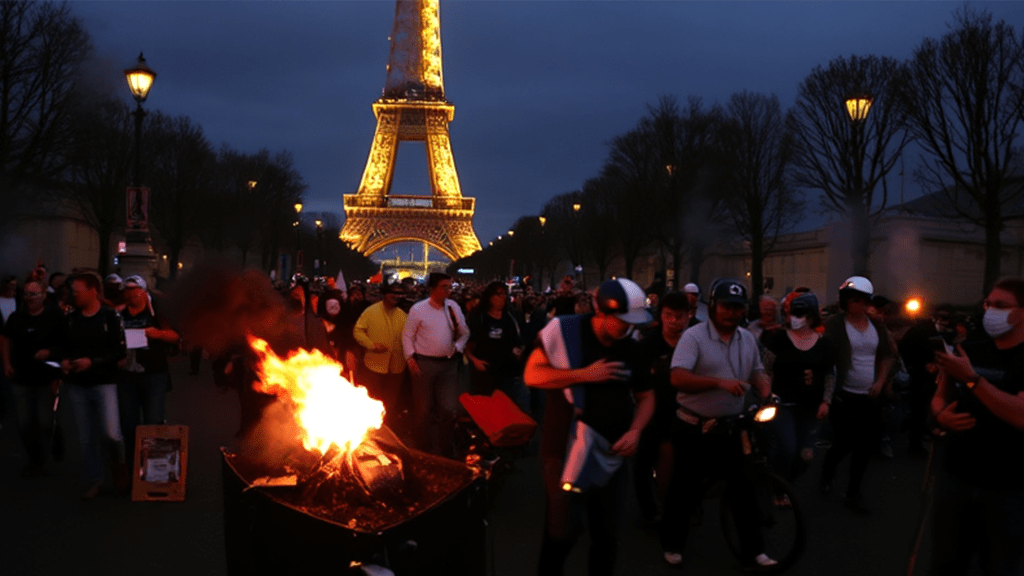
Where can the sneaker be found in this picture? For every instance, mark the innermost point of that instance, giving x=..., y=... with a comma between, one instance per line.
x=92, y=491
x=764, y=561
x=673, y=558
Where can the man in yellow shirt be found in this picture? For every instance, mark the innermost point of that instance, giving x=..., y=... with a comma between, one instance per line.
x=379, y=330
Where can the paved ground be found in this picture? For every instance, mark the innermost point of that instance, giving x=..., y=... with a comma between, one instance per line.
x=48, y=530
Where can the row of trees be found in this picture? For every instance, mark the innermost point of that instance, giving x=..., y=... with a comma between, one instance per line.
x=63, y=139
x=689, y=174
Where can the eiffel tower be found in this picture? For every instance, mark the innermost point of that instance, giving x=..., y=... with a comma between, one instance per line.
x=413, y=108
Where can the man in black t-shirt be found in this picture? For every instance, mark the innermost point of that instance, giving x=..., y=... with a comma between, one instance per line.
x=591, y=358
x=654, y=456
x=979, y=399
x=92, y=345
x=28, y=331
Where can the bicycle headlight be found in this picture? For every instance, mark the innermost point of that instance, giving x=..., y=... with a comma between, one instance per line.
x=765, y=413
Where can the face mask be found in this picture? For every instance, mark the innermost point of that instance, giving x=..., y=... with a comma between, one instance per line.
x=797, y=322
x=996, y=322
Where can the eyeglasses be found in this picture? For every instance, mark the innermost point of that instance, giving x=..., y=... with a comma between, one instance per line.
x=998, y=305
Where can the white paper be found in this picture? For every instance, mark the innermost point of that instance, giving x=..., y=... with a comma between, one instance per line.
x=135, y=338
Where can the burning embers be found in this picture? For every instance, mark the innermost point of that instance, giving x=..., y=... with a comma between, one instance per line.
x=328, y=408
x=350, y=469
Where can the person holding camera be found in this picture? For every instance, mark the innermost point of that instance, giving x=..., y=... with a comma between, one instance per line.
x=979, y=403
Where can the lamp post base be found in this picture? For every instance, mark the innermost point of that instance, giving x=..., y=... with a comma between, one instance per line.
x=138, y=258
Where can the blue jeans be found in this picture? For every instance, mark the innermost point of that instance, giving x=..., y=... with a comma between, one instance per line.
x=30, y=402
x=145, y=394
x=972, y=521
x=435, y=403
x=794, y=431
x=95, y=409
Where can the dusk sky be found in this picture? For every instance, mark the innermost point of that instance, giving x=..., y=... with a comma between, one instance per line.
x=539, y=88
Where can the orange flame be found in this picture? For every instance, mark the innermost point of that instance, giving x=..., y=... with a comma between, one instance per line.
x=328, y=408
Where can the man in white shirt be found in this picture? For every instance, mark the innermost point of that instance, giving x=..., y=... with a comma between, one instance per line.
x=434, y=332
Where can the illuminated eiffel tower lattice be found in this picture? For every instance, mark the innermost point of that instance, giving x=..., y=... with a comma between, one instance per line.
x=413, y=108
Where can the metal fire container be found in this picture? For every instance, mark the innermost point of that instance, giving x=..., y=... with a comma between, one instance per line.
x=433, y=523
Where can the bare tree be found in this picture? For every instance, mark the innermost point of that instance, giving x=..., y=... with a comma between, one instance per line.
x=100, y=143
x=846, y=160
x=965, y=99
x=42, y=47
x=180, y=167
x=761, y=203
x=669, y=174
x=629, y=175
x=599, y=211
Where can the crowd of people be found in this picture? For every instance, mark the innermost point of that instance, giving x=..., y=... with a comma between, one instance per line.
x=620, y=374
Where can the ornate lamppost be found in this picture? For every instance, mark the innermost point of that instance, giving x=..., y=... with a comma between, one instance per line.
x=320, y=264
x=857, y=107
x=139, y=258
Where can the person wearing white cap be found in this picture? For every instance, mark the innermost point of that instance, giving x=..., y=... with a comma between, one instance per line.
x=698, y=310
x=146, y=377
x=590, y=355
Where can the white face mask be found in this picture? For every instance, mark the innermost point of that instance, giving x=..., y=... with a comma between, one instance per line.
x=996, y=322
x=797, y=322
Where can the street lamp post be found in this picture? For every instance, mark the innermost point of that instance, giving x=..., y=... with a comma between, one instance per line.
x=577, y=250
x=857, y=107
x=298, y=237
x=320, y=264
x=138, y=258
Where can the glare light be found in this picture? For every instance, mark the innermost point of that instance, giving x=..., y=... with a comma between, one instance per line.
x=576, y=207
x=298, y=207
x=140, y=79
x=542, y=219
x=858, y=107
x=913, y=305
x=766, y=413
x=252, y=184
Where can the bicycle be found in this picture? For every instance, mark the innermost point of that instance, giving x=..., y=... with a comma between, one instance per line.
x=779, y=515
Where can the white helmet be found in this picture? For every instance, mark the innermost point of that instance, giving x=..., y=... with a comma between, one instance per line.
x=858, y=284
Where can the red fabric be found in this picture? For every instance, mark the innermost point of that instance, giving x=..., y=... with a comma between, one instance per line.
x=504, y=423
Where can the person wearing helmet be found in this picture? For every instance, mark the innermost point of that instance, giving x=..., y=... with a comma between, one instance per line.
x=591, y=356
x=714, y=366
x=864, y=360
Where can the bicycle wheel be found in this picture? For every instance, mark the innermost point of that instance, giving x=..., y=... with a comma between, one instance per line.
x=778, y=518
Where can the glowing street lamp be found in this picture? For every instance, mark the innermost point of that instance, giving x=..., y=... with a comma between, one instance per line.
x=298, y=235
x=543, y=220
x=857, y=107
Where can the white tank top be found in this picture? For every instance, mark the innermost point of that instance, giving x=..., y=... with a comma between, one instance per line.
x=863, y=346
